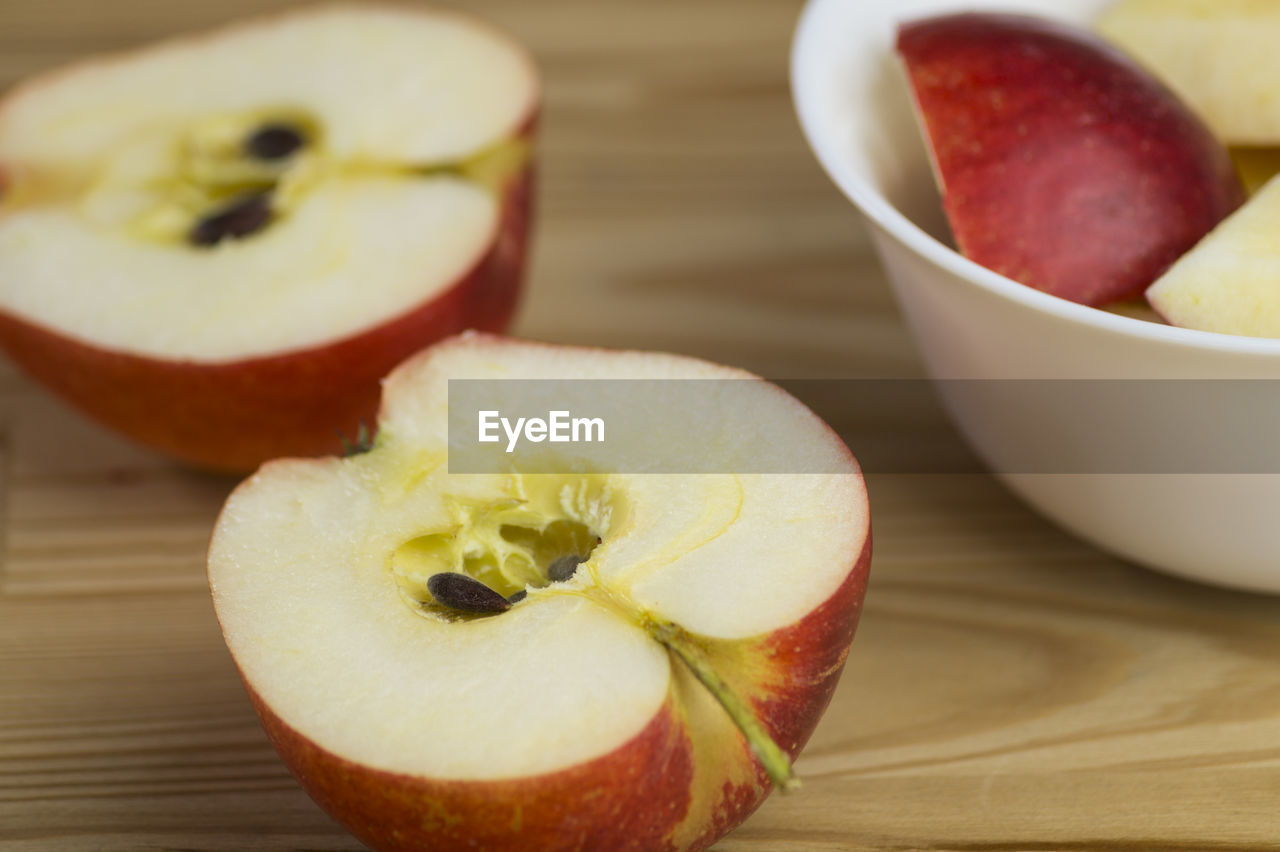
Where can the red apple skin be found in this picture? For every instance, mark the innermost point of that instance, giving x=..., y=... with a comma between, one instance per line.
x=1064, y=165
x=233, y=416
x=789, y=676
x=641, y=796
x=626, y=800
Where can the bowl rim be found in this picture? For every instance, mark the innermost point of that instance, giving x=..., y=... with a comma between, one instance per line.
x=814, y=20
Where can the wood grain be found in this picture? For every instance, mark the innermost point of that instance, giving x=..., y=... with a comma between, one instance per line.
x=1010, y=688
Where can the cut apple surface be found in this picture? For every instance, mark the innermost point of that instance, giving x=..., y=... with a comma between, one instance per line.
x=1063, y=164
x=580, y=660
x=1230, y=282
x=219, y=244
x=1219, y=55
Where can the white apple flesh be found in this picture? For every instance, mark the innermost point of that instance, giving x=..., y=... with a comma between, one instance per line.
x=389, y=211
x=643, y=703
x=1218, y=55
x=1230, y=281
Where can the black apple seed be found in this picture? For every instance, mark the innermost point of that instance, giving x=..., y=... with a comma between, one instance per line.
x=463, y=593
x=242, y=217
x=518, y=596
x=564, y=567
x=273, y=142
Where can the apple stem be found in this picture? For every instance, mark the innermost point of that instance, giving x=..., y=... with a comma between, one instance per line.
x=771, y=756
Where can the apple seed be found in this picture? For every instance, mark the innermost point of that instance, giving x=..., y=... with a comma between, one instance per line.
x=564, y=567
x=362, y=444
x=244, y=216
x=518, y=596
x=460, y=592
x=273, y=142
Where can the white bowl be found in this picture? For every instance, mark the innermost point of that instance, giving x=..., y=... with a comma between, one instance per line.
x=1221, y=526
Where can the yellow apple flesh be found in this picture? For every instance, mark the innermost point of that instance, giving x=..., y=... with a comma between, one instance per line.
x=1230, y=282
x=1218, y=55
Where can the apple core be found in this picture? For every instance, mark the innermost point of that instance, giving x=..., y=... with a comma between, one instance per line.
x=511, y=542
x=232, y=175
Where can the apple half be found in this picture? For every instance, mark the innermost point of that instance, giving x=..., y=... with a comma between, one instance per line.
x=546, y=661
x=1063, y=164
x=219, y=244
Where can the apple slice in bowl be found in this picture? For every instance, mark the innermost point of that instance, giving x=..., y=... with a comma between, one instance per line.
x=571, y=660
x=1063, y=164
x=218, y=245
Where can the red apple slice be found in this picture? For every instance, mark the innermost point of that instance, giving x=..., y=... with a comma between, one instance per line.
x=218, y=245
x=640, y=699
x=1063, y=164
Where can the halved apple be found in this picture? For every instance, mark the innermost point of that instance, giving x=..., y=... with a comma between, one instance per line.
x=575, y=660
x=1063, y=164
x=218, y=245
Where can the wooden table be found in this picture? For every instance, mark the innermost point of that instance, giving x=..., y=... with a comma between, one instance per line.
x=1010, y=688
